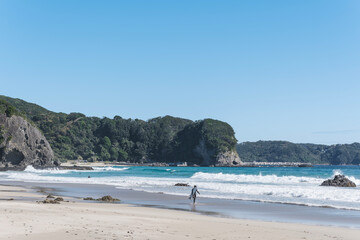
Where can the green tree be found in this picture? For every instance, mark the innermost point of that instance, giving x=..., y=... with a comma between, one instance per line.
x=107, y=142
x=114, y=152
x=123, y=156
x=104, y=154
x=10, y=110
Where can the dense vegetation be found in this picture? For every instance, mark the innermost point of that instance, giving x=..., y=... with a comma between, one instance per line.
x=281, y=151
x=8, y=109
x=209, y=136
x=164, y=139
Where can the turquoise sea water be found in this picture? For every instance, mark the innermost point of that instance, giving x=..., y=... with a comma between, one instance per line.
x=268, y=184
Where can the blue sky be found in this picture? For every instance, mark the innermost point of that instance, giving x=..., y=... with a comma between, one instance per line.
x=274, y=70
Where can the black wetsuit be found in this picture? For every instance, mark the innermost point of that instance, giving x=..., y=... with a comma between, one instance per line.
x=193, y=193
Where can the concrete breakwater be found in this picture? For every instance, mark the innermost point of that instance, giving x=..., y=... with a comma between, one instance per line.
x=275, y=164
x=243, y=164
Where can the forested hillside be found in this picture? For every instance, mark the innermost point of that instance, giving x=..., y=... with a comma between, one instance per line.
x=163, y=139
x=282, y=151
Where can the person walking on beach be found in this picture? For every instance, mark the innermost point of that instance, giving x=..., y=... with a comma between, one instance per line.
x=193, y=193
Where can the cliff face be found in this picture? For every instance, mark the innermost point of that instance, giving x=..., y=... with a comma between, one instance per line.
x=207, y=143
x=228, y=158
x=210, y=157
x=22, y=144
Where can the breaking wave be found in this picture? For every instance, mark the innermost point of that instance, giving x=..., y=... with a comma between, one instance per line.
x=31, y=169
x=100, y=169
x=291, y=189
x=243, y=178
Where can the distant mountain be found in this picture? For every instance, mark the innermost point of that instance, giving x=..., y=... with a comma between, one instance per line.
x=282, y=151
x=162, y=139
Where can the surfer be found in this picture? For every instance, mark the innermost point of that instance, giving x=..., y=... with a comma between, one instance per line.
x=193, y=193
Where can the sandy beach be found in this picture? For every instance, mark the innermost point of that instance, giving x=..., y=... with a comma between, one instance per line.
x=24, y=218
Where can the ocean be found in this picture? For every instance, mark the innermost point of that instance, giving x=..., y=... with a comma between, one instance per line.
x=288, y=185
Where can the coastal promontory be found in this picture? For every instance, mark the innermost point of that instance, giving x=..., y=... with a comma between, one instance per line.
x=211, y=143
x=74, y=136
x=21, y=143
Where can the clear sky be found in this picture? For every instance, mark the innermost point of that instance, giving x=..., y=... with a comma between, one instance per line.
x=274, y=70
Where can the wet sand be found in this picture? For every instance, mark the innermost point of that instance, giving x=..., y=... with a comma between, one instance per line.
x=273, y=212
x=24, y=218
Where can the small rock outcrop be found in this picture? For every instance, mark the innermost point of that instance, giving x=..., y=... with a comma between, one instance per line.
x=22, y=144
x=108, y=198
x=89, y=199
x=182, y=185
x=52, y=200
x=339, y=181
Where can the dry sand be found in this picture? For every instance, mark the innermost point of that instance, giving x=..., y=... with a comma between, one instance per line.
x=24, y=218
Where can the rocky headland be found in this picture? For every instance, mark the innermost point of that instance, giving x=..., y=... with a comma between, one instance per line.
x=33, y=135
x=22, y=144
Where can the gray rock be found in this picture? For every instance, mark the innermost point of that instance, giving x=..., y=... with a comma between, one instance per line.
x=89, y=199
x=339, y=181
x=224, y=159
x=108, y=198
x=50, y=201
x=182, y=185
x=23, y=144
x=50, y=196
x=228, y=159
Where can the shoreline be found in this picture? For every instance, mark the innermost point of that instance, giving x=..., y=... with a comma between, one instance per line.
x=236, y=209
x=84, y=220
x=94, y=177
x=81, y=163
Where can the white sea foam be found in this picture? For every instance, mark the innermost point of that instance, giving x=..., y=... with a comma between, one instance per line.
x=337, y=172
x=265, y=188
x=102, y=169
x=243, y=178
x=31, y=169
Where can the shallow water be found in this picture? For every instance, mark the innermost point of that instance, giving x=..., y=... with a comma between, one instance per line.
x=273, y=212
x=290, y=185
